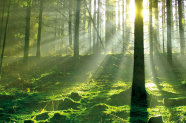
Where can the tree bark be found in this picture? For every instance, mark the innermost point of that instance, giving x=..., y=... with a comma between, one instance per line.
x=76, y=38
x=70, y=25
x=138, y=85
x=2, y=20
x=38, y=54
x=169, y=38
x=181, y=27
x=4, y=40
x=27, y=31
x=150, y=31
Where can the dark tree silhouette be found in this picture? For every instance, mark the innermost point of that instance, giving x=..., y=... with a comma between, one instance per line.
x=76, y=38
x=139, y=96
x=27, y=31
x=5, y=35
x=38, y=54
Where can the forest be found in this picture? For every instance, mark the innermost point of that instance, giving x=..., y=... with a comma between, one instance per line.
x=92, y=61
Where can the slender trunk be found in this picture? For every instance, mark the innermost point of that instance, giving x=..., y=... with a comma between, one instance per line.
x=156, y=30
x=55, y=33
x=76, y=38
x=27, y=31
x=4, y=40
x=70, y=25
x=1, y=25
x=150, y=30
x=163, y=21
x=123, y=24
x=90, y=28
x=98, y=25
x=108, y=31
x=169, y=38
x=38, y=54
x=181, y=27
x=94, y=32
x=127, y=25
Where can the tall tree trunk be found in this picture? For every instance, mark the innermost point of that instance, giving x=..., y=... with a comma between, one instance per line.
x=139, y=96
x=94, y=30
x=55, y=33
x=4, y=40
x=90, y=27
x=150, y=30
x=163, y=22
x=138, y=85
x=98, y=26
x=108, y=31
x=76, y=38
x=38, y=54
x=27, y=31
x=127, y=25
x=169, y=38
x=181, y=27
x=70, y=24
x=123, y=24
x=2, y=20
x=156, y=29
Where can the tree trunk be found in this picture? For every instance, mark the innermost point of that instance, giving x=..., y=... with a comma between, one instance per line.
x=76, y=38
x=150, y=30
x=156, y=29
x=98, y=26
x=27, y=31
x=90, y=28
x=2, y=20
x=181, y=27
x=163, y=21
x=139, y=96
x=70, y=25
x=123, y=24
x=138, y=85
x=108, y=30
x=4, y=40
x=169, y=42
x=94, y=30
x=38, y=54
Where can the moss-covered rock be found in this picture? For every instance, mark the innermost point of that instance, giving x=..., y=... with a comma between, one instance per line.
x=67, y=103
x=43, y=116
x=75, y=96
x=58, y=118
x=157, y=119
x=96, y=113
x=28, y=121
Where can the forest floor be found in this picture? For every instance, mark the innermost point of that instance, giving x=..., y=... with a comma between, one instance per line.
x=95, y=90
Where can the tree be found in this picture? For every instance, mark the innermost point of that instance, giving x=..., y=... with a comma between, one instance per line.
x=138, y=87
x=163, y=21
x=2, y=19
x=76, y=38
x=108, y=30
x=181, y=27
x=38, y=54
x=4, y=40
x=150, y=30
x=169, y=42
x=138, y=84
x=94, y=30
x=123, y=24
x=27, y=31
x=70, y=24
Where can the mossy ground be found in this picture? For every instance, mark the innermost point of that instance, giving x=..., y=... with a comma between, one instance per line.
x=57, y=90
